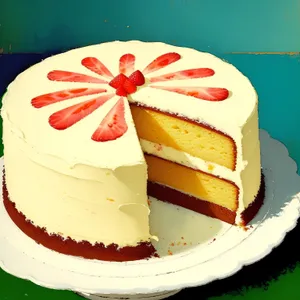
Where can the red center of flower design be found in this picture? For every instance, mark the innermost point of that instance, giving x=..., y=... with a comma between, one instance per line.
x=125, y=83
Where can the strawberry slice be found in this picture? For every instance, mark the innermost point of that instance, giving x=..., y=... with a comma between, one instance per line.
x=161, y=62
x=129, y=86
x=203, y=93
x=96, y=66
x=47, y=99
x=67, y=117
x=126, y=65
x=66, y=76
x=186, y=74
x=120, y=91
x=113, y=125
x=118, y=81
x=137, y=78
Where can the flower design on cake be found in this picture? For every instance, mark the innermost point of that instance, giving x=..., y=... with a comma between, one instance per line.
x=125, y=83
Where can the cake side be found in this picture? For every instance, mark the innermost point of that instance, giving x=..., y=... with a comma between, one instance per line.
x=68, y=246
x=105, y=207
x=75, y=208
x=251, y=173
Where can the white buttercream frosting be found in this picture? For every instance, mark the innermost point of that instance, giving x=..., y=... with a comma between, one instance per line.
x=100, y=205
x=68, y=183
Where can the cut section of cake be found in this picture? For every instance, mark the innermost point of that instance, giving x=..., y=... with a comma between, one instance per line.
x=75, y=127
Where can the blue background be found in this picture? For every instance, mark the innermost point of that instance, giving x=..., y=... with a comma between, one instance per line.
x=220, y=25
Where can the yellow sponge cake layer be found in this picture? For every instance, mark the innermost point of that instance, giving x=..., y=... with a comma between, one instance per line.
x=193, y=182
x=184, y=135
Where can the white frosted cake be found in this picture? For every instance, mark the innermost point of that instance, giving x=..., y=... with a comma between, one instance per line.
x=90, y=133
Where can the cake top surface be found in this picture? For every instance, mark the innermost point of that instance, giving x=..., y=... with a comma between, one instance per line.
x=75, y=105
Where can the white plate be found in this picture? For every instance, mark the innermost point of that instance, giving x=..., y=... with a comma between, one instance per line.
x=204, y=249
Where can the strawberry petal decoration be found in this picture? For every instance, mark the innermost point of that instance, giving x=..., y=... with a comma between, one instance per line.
x=121, y=91
x=66, y=76
x=96, y=66
x=203, y=93
x=118, y=81
x=161, y=62
x=186, y=74
x=59, y=96
x=125, y=83
x=137, y=78
x=67, y=117
x=126, y=65
x=129, y=86
x=113, y=125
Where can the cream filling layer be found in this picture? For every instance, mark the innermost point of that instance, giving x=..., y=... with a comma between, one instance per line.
x=188, y=160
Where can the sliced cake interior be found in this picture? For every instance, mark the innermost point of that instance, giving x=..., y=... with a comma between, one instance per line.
x=184, y=135
x=194, y=165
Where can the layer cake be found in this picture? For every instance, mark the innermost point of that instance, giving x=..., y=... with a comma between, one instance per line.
x=90, y=133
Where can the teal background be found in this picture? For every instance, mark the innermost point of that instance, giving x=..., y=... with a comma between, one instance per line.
x=32, y=30
x=231, y=25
